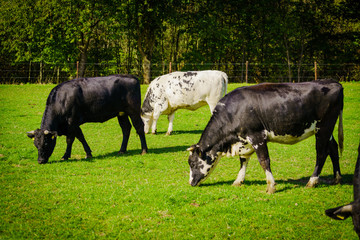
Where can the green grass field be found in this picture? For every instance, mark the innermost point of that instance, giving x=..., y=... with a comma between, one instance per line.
x=148, y=197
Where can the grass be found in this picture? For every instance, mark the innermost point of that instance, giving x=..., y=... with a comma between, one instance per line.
x=148, y=197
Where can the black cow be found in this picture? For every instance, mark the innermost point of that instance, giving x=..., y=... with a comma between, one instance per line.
x=247, y=118
x=78, y=101
x=352, y=209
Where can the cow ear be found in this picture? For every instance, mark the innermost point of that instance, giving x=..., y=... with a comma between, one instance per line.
x=340, y=213
x=190, y=149
x=54, y=134
x=31, y=134
x=193, y=147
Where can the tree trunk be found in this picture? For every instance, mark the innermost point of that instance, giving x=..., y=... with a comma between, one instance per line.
x=146, y=69
x=83, y=57
x=301, y=58
x=82, y=63
x=288, y=57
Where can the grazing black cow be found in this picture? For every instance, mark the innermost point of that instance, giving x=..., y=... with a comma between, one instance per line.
x=352, y=209
x=78, y=101
x=247, y=118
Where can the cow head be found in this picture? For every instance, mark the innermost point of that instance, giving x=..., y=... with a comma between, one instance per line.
x=147, y=119
x=201, y=164
x=44, y=141
x=343, y=212
x=352, y=209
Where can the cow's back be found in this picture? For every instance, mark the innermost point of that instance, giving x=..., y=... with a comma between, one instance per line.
x=94, y=99
x=191, y=89
x=282, y=109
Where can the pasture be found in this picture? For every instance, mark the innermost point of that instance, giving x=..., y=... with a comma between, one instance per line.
x=148, y=197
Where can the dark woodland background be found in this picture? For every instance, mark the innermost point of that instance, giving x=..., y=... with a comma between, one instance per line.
x=265, y=40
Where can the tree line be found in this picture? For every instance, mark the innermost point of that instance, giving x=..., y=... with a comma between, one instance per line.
x=281, y=38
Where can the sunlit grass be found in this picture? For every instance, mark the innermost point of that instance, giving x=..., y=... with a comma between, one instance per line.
x=143, y=197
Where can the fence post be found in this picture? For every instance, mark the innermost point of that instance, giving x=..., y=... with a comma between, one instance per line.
x=77, y=69
x=58, y=75
x=246, y=71
x=315, y=70
x=41, y=71
x=29, y=72
x=169, y=67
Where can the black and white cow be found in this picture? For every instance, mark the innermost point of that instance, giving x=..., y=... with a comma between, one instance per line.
x=246, y=119
x=351, y=209
x=78, y=101
x=181, y=90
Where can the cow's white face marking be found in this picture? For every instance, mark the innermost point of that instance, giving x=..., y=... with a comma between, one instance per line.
x=147, y=120
x=204, y=168
x=289, y=139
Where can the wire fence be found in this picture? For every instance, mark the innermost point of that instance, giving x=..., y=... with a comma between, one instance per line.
x=37, y=72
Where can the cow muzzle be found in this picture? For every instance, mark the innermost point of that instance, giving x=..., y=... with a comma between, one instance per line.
x=195, y=180
x=42, y=160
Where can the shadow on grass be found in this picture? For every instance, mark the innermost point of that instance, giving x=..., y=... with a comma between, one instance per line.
x=324, y=182
x=134, y=152
x=71, y=160
x=181, y=132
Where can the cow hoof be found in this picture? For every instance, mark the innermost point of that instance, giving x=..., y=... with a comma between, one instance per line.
x=237, y=184
x=312, y=182
x=121, y=152
x=270, y=190
x=337, y=179
x=168, y=133
x=88, y=156
x=144, y=152
x=309, y=185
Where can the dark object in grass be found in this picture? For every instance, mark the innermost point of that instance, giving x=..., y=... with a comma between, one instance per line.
x=352, y=209
x=82, y=100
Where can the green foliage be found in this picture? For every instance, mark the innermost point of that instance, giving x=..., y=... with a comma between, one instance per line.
x=146, y=197
x=124, y=36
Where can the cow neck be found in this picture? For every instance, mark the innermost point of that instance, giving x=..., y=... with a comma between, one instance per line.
x=214, y=137
x=357, y=178
x=49, y=120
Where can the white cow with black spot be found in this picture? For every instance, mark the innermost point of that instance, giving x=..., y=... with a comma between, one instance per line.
x=181, y=90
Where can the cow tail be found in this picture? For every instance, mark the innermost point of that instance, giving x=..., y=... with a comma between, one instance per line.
x=341, y=132
x=225, y=83
x=340, y=127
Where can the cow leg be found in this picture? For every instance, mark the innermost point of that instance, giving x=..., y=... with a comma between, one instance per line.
x=324, y=147
x=69, y=143
x=262, y=153
x=334, y=155
x=322, y=151
x=80, y=136
x=139, y=127
x=154, y=122
x=241, y=175
x=126, y=128
x=171, y=119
